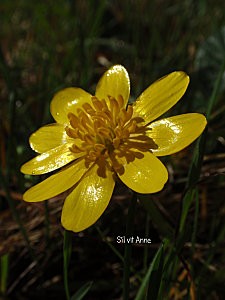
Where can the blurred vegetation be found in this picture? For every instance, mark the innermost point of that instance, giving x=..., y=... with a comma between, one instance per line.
x=46, y=46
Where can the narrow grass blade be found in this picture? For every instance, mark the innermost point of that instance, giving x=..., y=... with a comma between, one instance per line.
x=194, y=172
x=171, y=263
x=79, y=295
x=187, y=200
x=195, y=168
x=195, y=225
x=152, y=278
x=115, y=251
x=155, y=278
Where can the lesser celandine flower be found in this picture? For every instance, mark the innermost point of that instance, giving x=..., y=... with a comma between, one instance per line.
x=99, y=139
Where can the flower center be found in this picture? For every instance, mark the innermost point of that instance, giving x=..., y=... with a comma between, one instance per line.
x=108, y=135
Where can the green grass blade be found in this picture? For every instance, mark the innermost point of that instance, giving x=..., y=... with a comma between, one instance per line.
x=187, y=200
x=169, y=269
x=153, y=277
x=79, y=295
x=195, y=168
x=115, y=251
x=195, y=225
x=216, y=90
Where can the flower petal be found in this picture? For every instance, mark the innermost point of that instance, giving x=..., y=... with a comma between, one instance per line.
x=114, y=82
x=161, y=96
x=49, y=137
x=175, y=133
x=145, y=175
x=50, y=160
x=68, y=100
x=57, y=183
x=88, y=201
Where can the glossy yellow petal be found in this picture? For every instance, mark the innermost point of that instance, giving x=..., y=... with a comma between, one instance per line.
x=49, y=137
x=68, y=100
x=114, y=82
x=146, y=175
x=161, y=96
x=50, y=160
x=57, y=183
x=87, y=202
x=175, y=133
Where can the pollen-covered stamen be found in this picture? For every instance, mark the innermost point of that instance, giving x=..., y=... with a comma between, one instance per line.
x=107, y=134
x=125, y=115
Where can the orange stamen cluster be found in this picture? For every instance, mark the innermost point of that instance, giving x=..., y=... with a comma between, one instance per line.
x=108, y=135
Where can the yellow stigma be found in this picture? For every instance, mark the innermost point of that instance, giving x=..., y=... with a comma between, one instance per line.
x=108, y=135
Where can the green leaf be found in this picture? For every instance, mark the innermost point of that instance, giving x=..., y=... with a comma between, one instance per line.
x=82, y=291
x=153, y=277
x=189, y=197
x=171, y=263
x=196, y=164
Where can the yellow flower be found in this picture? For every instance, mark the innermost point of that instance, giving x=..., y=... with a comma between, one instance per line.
x=98, y=139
